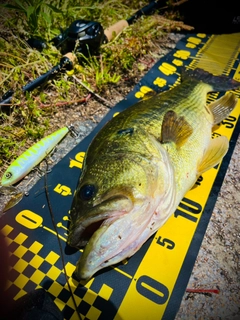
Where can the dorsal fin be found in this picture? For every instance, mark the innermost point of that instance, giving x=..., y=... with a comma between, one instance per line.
x=216, y=151
x=175, y=129
x=218, y=82
x=222, y=107
x=149, y=94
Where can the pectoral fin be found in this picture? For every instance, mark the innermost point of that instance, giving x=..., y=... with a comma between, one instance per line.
x=175, y=129
x=222, y=107
x=214, y=154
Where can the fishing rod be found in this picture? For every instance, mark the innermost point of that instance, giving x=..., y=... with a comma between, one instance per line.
x=84, y=37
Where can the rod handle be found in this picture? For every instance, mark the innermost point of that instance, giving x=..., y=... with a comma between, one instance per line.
x=115, y=29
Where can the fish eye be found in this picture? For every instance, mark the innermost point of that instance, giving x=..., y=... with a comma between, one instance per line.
x=8, y=175
x=87, y=192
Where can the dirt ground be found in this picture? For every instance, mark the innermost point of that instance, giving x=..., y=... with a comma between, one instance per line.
x=84, y=116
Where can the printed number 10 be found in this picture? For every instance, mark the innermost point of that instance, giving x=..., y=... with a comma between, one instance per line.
x=186, y=208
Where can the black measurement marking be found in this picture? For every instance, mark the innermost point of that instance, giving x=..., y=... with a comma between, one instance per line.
x=228, y=122
x=163, y=242
x=189, y=206
x=199, y=180
x=152, y=289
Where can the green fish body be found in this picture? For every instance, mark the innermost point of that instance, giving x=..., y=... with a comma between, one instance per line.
x=140, y=165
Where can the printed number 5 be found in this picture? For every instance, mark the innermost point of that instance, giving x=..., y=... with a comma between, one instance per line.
x=162, y=242
x=63, y=190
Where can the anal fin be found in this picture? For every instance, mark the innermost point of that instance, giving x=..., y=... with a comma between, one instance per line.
x=175, y=129
x=222, y=107
x=216, y=151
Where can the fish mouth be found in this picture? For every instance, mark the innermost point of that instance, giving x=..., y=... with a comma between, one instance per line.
x=117, y=238
x=84, y=228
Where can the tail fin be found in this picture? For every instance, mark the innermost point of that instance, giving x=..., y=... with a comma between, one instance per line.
x=219, y=83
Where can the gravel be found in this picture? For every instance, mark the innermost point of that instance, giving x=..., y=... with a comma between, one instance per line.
x=218, y=262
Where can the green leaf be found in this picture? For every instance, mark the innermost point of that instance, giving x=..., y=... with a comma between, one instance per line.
x=9, y=6
x=29, y=3
x=38, y=9
x=55, y=9
x=20, y=5
x=47, y=18
x=29, y=11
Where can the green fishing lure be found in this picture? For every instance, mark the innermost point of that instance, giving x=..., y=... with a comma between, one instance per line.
x=20, y=167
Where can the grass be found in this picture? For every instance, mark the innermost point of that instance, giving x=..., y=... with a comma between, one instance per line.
x=30, y=115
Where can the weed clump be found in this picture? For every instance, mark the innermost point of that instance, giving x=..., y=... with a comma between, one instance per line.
x=31, y=115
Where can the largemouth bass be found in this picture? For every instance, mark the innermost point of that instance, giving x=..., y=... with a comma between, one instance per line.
x=140, y=165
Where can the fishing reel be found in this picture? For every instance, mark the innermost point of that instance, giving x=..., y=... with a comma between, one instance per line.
x=82, y=36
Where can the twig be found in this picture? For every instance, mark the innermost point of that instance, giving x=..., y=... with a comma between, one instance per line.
x=109, y=104
x=179, y=3
x=57, y=104
x=174, y=4
x=203, y=290
x=171, y=24
x=18, y=67
x=62, y=103
x=11, y=55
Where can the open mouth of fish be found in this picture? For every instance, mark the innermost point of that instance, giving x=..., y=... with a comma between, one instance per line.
x=110, y=236
x=100, y=215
